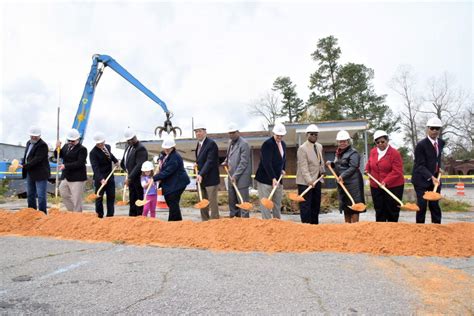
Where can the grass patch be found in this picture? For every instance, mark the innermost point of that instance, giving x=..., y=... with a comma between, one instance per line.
x=448, y=205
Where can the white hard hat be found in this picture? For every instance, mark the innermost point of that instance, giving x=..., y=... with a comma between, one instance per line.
x=147, y=166
x=168, y=142
x=279, y=129
x=99, y=138
x=343, y=135
x=128, y=134
x=232, y=128
x=199, y=125
x=312, y=129
x=379, y=134
x=34, y=131
x=73, y=134
x=434, y=122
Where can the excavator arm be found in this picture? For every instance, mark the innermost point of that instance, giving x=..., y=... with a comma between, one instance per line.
x=99, y=62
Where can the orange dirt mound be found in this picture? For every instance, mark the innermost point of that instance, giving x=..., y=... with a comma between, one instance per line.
x=237, y=234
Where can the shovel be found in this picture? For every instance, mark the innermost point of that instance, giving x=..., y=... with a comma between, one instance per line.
x=406, y=206
x=124, y=193
x=243, y=205
x=267, y=202
x=93, y=196
x=14, y=165
x=143, y=202
x=203, y=203
x=357, y=207
x=299, y=198
x=433, y=195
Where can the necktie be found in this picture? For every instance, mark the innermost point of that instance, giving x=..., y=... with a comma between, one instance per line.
x=69, y=148
x=280, y=147
x=198, y=149
x=106, y=152
x=436, y=148
x=317, y=153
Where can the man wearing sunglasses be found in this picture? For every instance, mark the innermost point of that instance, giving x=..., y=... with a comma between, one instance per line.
x=426, y=169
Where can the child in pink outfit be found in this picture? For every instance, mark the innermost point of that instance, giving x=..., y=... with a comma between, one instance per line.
x=151, y=196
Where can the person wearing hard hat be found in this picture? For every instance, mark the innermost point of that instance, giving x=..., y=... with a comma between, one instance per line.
x=271, y=167
x=102, y=159
x=173, y=178
x=207, y=161
x=150, y=192
x=240, y=170
x=36, y=170
x=74, y=173
x=386, y=165
x=134, y=156
x=346, y=164
x=310, y=166
x=427, y=166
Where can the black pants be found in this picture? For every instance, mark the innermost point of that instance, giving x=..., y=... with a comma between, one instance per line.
x=136, y=193
x=309, y=209
x=435, y=210
x=386, y=208
x=172, y=200
x=108, y=190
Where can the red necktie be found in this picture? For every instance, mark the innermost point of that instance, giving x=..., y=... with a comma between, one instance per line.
x=435, y=144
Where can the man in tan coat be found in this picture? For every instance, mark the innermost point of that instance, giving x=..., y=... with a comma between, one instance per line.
x=310, y=167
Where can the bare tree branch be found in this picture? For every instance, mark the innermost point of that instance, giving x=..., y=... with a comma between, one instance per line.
x=268, y=107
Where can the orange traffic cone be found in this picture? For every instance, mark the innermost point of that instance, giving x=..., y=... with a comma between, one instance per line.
x=460, y=188
x=161, y=203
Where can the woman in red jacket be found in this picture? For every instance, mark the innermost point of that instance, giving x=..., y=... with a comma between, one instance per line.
x=385, y=164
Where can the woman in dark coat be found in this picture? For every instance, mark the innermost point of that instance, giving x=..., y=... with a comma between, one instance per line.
x=173, y=178
x=347, y=165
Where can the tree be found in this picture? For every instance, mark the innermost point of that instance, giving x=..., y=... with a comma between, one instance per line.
x=293, y=106
x=404, y=83
x=268, y=107
x=447, y=103
x=325, y=79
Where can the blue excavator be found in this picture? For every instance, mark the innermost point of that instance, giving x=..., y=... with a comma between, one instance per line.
x=99, y=62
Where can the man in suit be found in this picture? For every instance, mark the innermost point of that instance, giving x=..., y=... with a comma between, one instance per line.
x=426, y=169
x=310, y=167
x=36, y=169
x=102, y=159
x=240, y=170
x=271, y=167
x=74, y=174
x=207, y=161
x=134, y=156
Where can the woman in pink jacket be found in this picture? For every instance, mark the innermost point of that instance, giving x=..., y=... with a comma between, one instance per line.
x=385, y=164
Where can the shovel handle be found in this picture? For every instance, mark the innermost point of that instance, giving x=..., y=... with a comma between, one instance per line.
x=275, y=187
x=385, y=189
x=340, y=183
x=198, y=184
x=106, y=179
x=235, y=186
x=311, y=186
x=437, y=184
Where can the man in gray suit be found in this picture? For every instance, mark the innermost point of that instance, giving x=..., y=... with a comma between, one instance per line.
x=240, y=170
x=310, y=167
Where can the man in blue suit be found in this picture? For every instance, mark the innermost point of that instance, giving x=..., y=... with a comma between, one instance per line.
x=426, y=169
x=207, y=161
x=271, y=167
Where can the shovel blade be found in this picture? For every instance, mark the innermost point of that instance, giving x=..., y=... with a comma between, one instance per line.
x=245, y=206
x=295, y=197
x=202, y=204
x=140, y=202
x=410, y=207
x=358, y=207
x=268, y=204
x=432, y=196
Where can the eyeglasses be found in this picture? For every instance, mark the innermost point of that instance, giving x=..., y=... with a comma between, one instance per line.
x=380, y=142
x=70, y=141
x=433, y=128
x=313, y=134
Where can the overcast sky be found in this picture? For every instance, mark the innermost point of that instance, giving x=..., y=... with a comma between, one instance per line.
x=207, y=60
